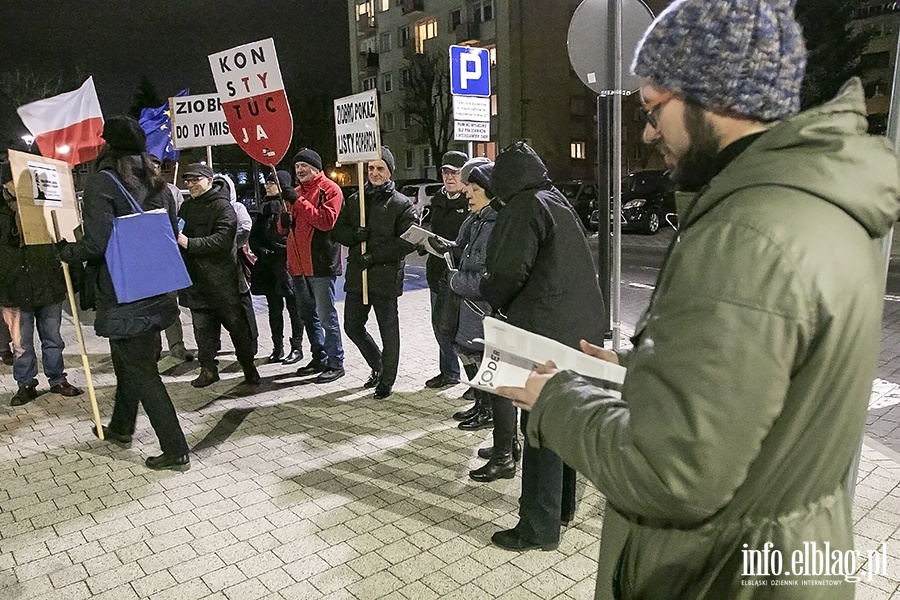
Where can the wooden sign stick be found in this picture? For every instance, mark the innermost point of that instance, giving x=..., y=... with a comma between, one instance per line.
x=362, y=223
x=78, y=333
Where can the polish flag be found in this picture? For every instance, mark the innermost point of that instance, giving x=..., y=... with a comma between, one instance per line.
x=67, y=127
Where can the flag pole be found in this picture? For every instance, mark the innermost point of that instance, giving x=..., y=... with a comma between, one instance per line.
x=362, y=223
x=209, y=156
x=78, y=333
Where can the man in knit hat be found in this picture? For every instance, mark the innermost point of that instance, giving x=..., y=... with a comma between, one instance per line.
x=746, y=394
x=388, y=214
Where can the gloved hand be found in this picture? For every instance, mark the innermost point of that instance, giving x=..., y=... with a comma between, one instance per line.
x=286, y=220
x=364, y=261
x=289, y=195
x=61, y=244
x=421, y=250
x=439, y=244
x=361, y=234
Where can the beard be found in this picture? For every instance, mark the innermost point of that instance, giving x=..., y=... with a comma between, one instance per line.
x=698, y=165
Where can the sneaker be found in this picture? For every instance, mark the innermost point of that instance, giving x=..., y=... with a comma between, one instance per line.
x=440, y=381
x=26, y=394
x=312, y=368
x=66, y=389
x=174, y=463
x=329, y=375
x=205, y=378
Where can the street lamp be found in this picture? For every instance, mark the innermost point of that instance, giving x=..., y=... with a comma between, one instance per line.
x=28, y=139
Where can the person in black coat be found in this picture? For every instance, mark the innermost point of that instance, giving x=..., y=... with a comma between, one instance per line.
x=32, y=291
x=388, y=215
x=540, y=275
x=132, y=328
x=449, y=208
x=270, y=277
x=208, y=245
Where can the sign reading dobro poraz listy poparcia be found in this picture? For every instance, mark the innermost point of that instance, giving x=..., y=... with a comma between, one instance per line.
x=356, y=127
x=250, y=87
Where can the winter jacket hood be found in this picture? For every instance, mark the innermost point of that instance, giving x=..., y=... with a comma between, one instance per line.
x=518, y=168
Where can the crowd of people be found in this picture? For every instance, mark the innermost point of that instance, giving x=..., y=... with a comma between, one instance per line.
x=747, y=385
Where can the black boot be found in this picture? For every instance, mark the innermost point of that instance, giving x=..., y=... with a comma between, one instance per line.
x=486, y=453
x=484, y=419
x=501, y=466
x=277, y=351
x=465, y=415
x=296, y=354
x=251, y=375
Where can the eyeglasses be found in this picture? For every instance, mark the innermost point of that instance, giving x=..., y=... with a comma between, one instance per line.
x=193, y=179
x=651, y=109
x=450, y=172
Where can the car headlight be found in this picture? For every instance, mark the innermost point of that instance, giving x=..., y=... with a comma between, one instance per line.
x=634, y=204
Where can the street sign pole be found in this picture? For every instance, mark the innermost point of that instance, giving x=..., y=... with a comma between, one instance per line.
x=617, y=92
x=470, y=87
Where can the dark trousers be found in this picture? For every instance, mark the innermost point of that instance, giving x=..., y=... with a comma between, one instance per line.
x=504, y=413
x=356, y=314
x=206, y=332
x=276, y=319
x=548, y=492
x=138, y=381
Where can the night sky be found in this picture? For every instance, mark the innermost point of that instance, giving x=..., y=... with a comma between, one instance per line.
x=118, y=41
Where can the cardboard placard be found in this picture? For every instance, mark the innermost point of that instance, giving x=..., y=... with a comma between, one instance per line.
x=44, y=185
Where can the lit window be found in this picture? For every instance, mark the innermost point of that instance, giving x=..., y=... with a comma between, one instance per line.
x=488, y=149
x=384, y=4
x=578, y=150
x=368, y=83
x=387, y=83
x=425, y=31
x=492, y=55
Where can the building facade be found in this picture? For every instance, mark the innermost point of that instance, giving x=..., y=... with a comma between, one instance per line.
x=536, y=95
x=876, y=66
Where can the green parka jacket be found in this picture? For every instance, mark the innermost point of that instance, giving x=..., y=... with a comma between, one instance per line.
x=746, y=393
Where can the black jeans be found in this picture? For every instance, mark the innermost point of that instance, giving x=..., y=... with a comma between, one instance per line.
x=206, y=332
x=356, y=314
x=504, y=413
x=276, y=319
x=138, y=381
x=548, y=492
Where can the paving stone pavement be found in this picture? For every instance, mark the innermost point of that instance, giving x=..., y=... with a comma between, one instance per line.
x=298, y=491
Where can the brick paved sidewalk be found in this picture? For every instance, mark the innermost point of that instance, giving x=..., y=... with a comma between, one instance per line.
x=297, y=491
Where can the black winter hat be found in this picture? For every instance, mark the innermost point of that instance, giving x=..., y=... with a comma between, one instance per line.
x=124, y=135
x=388, y=158
x=310, y=157
x=284, y=178
x=5, y=173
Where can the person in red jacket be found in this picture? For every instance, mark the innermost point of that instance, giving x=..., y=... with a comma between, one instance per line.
x=314, y=263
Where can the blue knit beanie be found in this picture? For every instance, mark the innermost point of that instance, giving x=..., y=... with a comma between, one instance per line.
x=743, y=56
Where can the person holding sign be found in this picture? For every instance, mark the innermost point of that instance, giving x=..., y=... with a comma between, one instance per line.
x=388, y=215
x=314, y=262
x=133, y=328
x=208, y=245
x=32, y=291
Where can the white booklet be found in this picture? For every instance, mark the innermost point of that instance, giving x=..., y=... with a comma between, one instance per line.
x=510, y=355
x=416, y=236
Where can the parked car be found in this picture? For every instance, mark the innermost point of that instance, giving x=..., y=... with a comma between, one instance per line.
x=583, y=197
x=420, y=194
x=648, y=202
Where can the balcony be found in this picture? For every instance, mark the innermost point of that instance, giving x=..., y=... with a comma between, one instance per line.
x=368, y=60
x=365, y=25
x=468, y=33
x=412, y=6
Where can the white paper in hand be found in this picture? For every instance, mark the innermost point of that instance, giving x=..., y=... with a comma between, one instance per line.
x=417, y=236
x=511, y=354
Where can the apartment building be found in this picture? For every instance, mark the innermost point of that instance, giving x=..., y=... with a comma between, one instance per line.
x=536, y=95
x=882, y=19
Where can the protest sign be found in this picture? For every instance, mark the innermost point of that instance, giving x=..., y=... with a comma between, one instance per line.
x=510, y=354
x=250, y=87
x=356, y=127
x=43, y=185
x=199, y=121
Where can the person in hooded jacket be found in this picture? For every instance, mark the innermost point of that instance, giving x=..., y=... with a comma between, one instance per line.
x=133, y=328
x=389, y=214
x=270, y=273
x=208, y=245
x=539, y=276
x=745, y=400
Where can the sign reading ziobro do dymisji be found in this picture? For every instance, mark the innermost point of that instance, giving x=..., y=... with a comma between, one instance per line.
x=250, y=87
x=356, y=127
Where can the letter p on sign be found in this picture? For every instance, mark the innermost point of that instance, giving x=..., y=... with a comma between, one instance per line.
x=470, y=71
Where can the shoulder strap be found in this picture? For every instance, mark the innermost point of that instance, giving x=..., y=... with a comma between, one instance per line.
x=134, y=205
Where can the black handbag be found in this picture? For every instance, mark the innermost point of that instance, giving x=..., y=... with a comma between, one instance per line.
x=445, y=313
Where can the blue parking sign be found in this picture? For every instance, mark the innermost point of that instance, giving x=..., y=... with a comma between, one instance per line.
x=470, y=71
